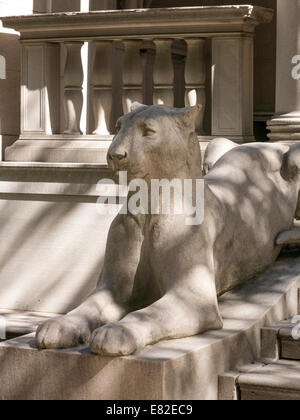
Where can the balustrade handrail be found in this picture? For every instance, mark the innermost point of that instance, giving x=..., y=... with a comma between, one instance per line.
x=114, y=24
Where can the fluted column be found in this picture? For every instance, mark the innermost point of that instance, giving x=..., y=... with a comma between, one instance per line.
x=163, y=75
x=195, y=77
x=73, y=95
x=132, y=74
x=285, y=125
x=102, y=79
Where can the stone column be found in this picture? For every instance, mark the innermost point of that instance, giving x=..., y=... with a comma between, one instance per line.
x=232, y=87
x=285, y=125
x=40, y=89
x=9, y=88
x=10, y=74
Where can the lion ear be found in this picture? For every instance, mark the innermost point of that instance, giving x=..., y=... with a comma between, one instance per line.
x=136, y=105
x=190, y=115
x=291, y=163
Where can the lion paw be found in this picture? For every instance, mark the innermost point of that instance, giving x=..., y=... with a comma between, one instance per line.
x=115, y=340
x=62, y=333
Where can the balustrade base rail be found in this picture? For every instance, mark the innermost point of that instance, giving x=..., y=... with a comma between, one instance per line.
x=75, y=149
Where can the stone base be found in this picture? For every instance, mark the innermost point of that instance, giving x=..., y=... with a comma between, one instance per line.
x=274, y=382
x=186, y=369
x=75, y=149
x=5, y=142
x=285, y=127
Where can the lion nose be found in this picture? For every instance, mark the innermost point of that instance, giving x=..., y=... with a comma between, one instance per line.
x=117, y=158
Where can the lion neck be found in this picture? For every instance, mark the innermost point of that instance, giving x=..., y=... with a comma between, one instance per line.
x=170, y=171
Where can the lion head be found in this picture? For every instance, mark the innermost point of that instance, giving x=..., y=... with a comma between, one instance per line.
x=156, y=142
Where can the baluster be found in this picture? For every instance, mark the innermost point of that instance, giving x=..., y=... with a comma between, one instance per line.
x=103, y=4
x=163, y=74
x=132, y=74
x=179, y=51
x=132, y=4
x=73, y=80
x=102, y=79
x=148, y=58
x=195, y=77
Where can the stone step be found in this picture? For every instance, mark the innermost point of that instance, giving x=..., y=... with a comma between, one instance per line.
x=277, y=381
x=17, y=323
x=282, y=341
x=290, y=343
x=276, y=376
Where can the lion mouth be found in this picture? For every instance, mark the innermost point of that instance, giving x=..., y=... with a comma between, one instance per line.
x=131, y=175
x=116, y=169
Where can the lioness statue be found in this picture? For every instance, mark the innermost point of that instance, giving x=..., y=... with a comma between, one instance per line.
x=162, y=277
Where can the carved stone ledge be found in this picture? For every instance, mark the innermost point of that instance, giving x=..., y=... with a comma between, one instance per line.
x=140, y=22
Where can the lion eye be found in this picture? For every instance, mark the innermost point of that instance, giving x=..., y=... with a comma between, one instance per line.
x=118, y=128
x=148, y=132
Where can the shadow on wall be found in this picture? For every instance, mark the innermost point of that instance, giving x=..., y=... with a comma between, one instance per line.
x=52, y=249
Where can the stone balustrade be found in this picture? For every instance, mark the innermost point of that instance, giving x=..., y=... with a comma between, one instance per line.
x=81, y=71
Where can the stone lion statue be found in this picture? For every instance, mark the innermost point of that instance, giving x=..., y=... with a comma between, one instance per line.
x=161, y=277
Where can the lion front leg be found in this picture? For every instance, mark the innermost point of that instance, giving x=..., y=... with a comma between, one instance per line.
x=182, y=312
x=110, y=301
x=76, y=327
